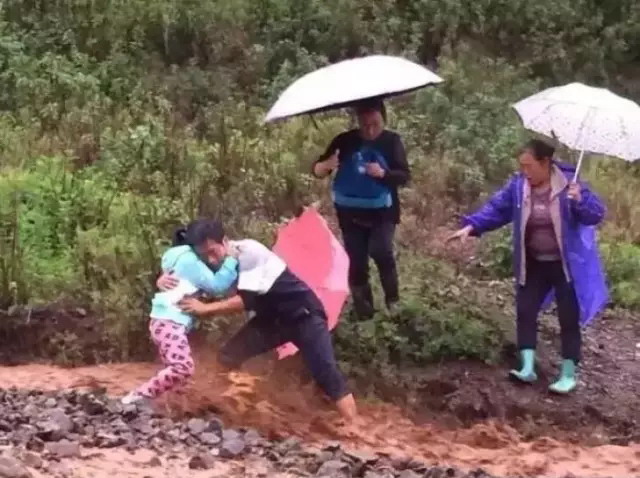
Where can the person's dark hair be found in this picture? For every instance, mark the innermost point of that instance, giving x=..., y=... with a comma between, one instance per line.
x=179, y=237
x=373, y=104
x=539, y=149
x=201, y=230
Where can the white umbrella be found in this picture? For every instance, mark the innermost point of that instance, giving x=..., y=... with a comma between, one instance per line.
x=346, y=82
x=585, y=119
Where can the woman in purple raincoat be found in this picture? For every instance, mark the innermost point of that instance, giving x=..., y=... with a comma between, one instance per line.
x=554, y=250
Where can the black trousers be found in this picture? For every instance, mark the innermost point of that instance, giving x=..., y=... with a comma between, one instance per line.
x=542, y=277
x=308, y=331
x=375, y=241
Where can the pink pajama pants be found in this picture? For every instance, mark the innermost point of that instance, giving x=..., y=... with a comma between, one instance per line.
x=172, y=344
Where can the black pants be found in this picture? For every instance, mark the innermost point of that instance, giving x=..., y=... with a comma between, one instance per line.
x=542, y=277
x=308, y=331
x=361, y=242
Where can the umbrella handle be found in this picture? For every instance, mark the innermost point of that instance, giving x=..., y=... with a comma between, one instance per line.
x=575, y=176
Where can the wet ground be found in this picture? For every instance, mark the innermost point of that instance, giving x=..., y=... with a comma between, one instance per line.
x=273, y=401
x=461, y=414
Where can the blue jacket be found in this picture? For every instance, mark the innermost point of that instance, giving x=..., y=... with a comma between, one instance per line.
x=194, y=275
x=574, y=224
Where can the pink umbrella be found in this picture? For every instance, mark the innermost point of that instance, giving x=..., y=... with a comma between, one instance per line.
x=314, y=254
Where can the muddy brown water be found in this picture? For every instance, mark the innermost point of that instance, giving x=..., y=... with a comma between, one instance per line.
x=279, y=406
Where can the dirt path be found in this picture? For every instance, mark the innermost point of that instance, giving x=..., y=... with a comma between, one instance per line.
x=278, y=405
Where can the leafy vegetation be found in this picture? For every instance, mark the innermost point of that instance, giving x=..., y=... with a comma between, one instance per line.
x=120, y=119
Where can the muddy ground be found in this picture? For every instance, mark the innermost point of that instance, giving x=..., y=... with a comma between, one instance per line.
x=463, y=415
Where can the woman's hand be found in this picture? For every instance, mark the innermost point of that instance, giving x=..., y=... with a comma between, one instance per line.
x=232, y=249
x=375, y=170
x=193, y=306
x=461, y=234
x=575, y=192
x=167, y=281
x=323, y=168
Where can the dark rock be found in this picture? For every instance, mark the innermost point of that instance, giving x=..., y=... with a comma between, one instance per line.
x=290, y=462
x=401, y=462
x=30, y=410
x=91, y=406
x=24, y=434
x=272, y=455
x=50, y=431
x=409, y=474
x=143, y=427
x=51, y=403
x=154, y=462
x=333, y=468
x=364, y=457
x=230, y=434
x=145, y=408
x=311, y=452
x=32, y=460
x=118, y=426
x=252, y=437
x=478, y=473
x=172, y=435
x=196, y=426
x=5, y=426
x=108, y=440
x=325, y=456
x=60, y=418
x=215, y=425
x=288, y=445
x=115, y=407
x=440, y=472
x=333, y=446
x=63, y=404
x=378, y=474
x=203, y=461
x=129, y=411
x=35, y=444
x=64, y=449
x=209, y=438
x=231, y=448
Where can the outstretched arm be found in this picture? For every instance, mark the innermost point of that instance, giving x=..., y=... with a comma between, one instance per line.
x=194, y=306
x=496, y=212
x=219, y=282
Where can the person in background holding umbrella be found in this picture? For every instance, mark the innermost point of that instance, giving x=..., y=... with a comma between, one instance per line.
x=371, y=165
x=554, y=249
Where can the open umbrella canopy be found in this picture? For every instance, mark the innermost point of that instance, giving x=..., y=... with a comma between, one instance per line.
x=344, y=83
x=585, y=119
x=315, y=255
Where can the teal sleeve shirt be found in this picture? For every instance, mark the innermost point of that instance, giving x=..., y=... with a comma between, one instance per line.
x=194, y=274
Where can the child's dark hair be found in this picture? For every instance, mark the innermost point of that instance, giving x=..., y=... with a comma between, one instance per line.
x=539, y=149
x=199, y=231
x=179, y=237
x=202, y=230
x=372, y=104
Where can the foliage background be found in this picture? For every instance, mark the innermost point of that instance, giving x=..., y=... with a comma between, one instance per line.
x=120, y=119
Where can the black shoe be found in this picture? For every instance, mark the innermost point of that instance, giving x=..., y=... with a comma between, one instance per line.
x=363, y=302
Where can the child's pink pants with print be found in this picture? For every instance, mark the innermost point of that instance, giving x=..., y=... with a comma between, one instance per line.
x=172, y=343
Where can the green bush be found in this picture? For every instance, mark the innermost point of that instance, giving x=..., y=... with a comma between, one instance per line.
x=436, y=321
x=623, y=272
x=120, y=119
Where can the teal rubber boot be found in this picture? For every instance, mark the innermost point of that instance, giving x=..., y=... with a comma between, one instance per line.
x=526, y=374
x=567, y=381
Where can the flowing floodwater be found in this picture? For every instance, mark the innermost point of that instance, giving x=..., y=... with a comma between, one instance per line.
x=279, y=405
